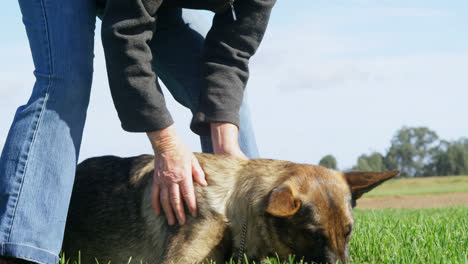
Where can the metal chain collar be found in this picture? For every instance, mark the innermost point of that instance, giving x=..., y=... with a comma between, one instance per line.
x=240, y=254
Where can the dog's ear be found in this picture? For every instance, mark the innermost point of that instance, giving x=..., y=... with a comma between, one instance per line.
x=364, y=181
x=282, y=201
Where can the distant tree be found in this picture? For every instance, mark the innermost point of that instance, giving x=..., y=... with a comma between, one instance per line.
x=373, y=162
x=411, y=150
x=328, y=162
x=451, y=158
x=440, y=163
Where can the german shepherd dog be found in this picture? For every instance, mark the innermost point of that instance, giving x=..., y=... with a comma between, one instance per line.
x=261, y=208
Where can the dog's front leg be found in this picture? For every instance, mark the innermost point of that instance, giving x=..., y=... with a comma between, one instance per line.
x=199, y=240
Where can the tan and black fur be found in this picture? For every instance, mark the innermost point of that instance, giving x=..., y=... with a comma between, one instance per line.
x=288, y=208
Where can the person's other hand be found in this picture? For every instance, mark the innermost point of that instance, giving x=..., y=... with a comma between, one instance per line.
x=225, y=138
x=174, y=166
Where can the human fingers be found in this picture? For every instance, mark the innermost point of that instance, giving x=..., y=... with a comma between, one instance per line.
x=188, y=192
x=166, y=204
x=155, y=199
x=198, y=173
x=176, y=202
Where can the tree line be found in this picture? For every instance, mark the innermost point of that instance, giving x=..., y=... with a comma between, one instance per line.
x=415, y=152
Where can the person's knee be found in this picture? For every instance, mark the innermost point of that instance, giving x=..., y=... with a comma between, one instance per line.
x=72, y=87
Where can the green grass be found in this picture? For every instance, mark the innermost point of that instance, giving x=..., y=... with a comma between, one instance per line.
x=437, y=235
x=418, y=186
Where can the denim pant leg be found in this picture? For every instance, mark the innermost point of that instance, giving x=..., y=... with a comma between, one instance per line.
x=177, y=50
x=38, y=161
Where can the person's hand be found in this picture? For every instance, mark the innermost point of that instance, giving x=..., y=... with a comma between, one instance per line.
x=174, y=166
x=225, y=138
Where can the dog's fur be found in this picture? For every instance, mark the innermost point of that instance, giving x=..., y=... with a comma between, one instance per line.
x=289, y=208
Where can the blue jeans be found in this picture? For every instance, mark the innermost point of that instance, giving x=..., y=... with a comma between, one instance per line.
x=38, y=161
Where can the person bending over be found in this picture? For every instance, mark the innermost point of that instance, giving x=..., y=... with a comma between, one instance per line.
x=128, y=28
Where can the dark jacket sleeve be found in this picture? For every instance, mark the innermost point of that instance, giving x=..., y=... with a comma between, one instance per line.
x=127, y=29
x=228, y=47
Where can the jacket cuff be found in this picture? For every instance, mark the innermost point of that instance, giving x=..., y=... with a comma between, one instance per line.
x=201, y=120
x=147, y=121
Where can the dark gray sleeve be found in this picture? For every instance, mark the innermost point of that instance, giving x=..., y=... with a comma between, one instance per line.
x=127, y=28
x=228, y=48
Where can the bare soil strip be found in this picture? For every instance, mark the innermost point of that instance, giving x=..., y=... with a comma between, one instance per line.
x=414, y=201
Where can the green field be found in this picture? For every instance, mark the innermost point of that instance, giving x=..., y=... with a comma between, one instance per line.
x=417, y=186
x=437, y=235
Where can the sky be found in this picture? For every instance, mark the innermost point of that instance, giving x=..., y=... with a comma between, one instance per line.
x=330, y=77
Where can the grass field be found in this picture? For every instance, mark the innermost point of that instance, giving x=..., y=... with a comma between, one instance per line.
x=436, y=235
x=417, y=186
x=433, y=235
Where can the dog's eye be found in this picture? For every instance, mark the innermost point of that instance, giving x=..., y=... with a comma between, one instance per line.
x=349, y=228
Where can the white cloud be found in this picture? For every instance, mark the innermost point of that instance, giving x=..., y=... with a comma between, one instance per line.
x=315, y=57
x=414, y=12
x=400, y=12
x=317, y=92
x=396, y=8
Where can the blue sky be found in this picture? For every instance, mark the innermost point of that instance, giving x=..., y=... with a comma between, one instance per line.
x=331, y=77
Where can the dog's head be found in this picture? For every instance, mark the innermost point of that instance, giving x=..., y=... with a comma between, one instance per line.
x=309, y=213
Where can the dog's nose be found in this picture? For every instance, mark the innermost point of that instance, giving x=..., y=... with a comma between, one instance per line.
x=333, y=258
